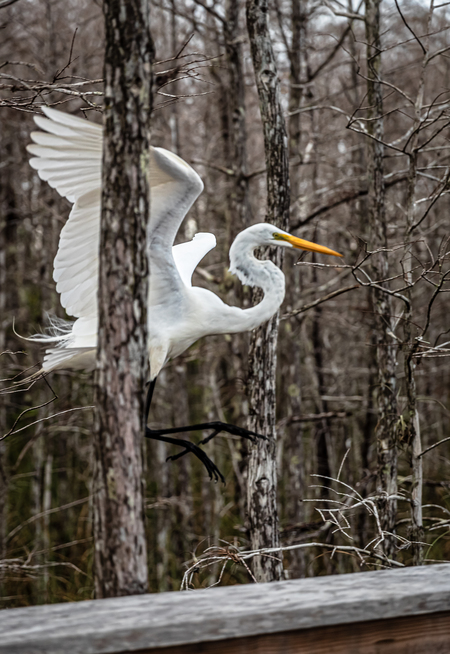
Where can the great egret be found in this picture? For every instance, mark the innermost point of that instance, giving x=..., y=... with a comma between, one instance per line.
x=68, y=155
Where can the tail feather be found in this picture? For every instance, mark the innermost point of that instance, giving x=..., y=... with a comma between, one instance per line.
x=75, y=358
x=74, y=343
x=58, y=330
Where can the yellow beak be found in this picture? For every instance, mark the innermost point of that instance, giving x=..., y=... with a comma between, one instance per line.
x=301, y=244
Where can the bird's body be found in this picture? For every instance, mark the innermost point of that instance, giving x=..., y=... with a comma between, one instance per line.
x=68, y=155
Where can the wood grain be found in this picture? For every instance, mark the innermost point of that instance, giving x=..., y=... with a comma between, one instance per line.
x=256, y=614
x=428, y=634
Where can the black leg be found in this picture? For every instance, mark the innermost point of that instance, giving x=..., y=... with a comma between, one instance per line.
x=217, y=427
x=148, y=400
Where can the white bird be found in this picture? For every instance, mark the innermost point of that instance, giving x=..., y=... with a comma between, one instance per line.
x=68, y=155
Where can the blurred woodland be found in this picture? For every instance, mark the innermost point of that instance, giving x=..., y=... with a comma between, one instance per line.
x=363, y=377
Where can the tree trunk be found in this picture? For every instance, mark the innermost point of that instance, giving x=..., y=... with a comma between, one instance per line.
x=120, y=546
x=410, y=346
x=238, y=212
x=5, y=191
x=385, y=344
x=237, y=132
x=323, y=426
x=262, y=473
x=298, y=27
x=294, y=477
x=410, y=343
x=174, y=119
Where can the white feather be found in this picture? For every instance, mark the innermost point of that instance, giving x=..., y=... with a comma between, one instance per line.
x=187, y=256
x=68, y=155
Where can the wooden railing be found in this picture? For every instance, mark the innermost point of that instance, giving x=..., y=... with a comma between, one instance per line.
x=402, y=611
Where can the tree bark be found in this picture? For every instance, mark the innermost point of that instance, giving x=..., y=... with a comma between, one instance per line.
x=5, y=192
x=410, y=343
x=237, y=132
x=298, y=28
x=238, y=209
x=262, y=472
x=294, y=447
x=385, y=345
x=174, y=119
x=120, y=545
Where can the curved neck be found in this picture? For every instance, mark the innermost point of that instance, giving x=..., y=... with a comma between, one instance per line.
x=253, y=272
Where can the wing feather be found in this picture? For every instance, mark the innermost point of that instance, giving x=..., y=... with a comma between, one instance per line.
x=80, y=124
x=67, y=154
x=188, y=255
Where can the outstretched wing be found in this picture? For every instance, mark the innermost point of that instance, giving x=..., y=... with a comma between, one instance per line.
x=174, y=188
x=188, y=255
x=68, y=155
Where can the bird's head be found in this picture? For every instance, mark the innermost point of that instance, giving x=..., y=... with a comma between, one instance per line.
x=266, y=234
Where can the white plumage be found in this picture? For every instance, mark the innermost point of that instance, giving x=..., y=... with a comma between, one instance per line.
x=68, y=155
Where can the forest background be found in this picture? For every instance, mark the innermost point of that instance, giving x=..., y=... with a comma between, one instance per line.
x=363, y=383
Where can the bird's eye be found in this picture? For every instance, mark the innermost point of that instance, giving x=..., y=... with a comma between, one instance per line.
x=278, y=237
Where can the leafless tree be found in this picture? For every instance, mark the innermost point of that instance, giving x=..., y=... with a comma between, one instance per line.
x=262, y=474
x=362, y=346
x=122, y=368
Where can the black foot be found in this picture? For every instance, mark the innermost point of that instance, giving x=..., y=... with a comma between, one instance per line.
x=213, y=470
x=217, y=427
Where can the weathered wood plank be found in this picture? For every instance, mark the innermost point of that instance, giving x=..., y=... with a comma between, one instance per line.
x=423, y=634
x=142, y=622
